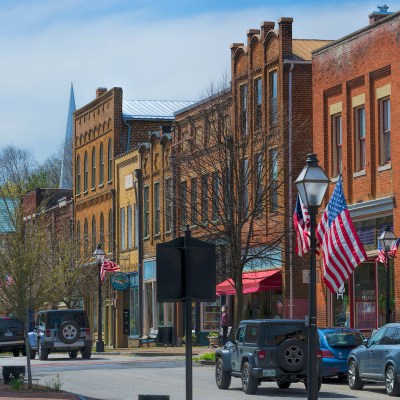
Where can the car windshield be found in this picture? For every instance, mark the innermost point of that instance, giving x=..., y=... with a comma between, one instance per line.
x=343, y=339
x=55, y=319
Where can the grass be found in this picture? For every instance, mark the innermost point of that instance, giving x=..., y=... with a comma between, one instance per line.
x=205, y=357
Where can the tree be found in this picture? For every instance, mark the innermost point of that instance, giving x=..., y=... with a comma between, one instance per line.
x=229, y=185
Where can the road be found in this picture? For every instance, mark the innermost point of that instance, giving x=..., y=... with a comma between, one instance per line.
x=116, y=377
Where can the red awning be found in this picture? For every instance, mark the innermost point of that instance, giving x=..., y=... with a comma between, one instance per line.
x=253, y=282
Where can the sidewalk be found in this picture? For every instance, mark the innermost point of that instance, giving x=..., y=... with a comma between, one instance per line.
x=6, y=393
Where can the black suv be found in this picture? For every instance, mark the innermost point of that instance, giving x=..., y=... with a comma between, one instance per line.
x=265, y=350
x=61, y=331
x=12, y=336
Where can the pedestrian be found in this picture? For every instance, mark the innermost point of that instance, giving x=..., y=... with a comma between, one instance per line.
x=224, y=323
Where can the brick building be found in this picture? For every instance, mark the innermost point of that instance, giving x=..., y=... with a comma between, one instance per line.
x=355, y=109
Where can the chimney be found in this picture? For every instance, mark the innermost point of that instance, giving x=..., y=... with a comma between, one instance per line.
x=285, y=36
x=378, y=15
x=100, y=91
x=265, y=27
x=250, y=34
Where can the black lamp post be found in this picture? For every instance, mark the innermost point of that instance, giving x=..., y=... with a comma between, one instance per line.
x=99, y=255
x=387, y=239
x=312, y=184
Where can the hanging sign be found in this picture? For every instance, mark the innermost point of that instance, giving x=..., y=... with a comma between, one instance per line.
x=120, y=281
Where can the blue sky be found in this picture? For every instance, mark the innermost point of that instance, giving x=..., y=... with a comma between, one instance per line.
x=153, y=49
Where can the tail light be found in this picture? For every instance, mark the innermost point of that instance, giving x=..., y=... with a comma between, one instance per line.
x=261, y=354
x=47, y=332
x=21, y=333
x=327, y=354
x=87, y=331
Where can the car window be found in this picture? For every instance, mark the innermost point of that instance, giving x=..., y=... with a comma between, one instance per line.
x=240, y=334
x=55, y=319
x=11, y=324
x=275, y=334
x=376, y=337
x=343, y=339
x=387, y=338
x=251, y=334
x=396, y=337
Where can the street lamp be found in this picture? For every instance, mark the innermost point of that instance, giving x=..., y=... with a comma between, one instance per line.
x=387, y=239
x=99, y=255
x=312, y=184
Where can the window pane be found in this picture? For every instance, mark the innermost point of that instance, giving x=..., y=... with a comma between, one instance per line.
x=193, y=201
x=156, y=206
x=129, y=227
x=146, y=211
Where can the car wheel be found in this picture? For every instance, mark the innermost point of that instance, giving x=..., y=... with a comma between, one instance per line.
x=283, y=385
x=86, y=353
x=354, y=380
x=292, y=355
x=69, y=332
x=222, y=376
x=23, y=351
x=249, y=383
x=42, y=353
x=32, y=354
x=319, y=383
x=15, y=353
x=73, y=353
x=391, y=382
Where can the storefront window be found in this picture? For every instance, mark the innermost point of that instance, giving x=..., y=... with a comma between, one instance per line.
x=165, y=314
x=211, y=316
x=381, y=272
x=341, y=307
x=133, y=304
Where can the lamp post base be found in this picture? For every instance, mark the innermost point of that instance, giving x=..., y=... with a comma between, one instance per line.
x=99, y=346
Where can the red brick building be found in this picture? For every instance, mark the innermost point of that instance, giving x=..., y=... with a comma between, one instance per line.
x=356, y=115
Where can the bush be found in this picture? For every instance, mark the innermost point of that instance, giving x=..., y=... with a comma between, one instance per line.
x=12, y=372
x=205, y=357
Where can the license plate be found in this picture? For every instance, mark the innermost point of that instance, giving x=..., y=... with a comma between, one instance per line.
x=269, y=372
x=7, y=333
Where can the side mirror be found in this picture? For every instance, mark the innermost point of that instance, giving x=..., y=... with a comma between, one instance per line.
x=365, y=342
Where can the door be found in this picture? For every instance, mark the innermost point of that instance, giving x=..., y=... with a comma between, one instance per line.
x=237, y=349
x=366, y=357
x=381, y=353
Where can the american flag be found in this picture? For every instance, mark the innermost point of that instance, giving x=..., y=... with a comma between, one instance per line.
x=341, y=247
x=381, y=257
x=393, y=251
x=107, y=267
x=301, y=221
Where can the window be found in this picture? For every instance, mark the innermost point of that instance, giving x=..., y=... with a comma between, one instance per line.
x=129, y=225
x=193, y=201
x=375, y=339
x=183, y=204
x=257, y=102
x=109, y=174
x=101, y=172
x=360, y=138
x=337, y=144
x=168, y=204
x=273, y=106
x=251, y=334
x=78, y=174
x=245, y=179
x=94, y=238
x=156, y=208
x=78, y=233
x=259, y=183
x=122, y=229
x=215, y=196
x=86, y=237
x=386, y=155
x=85, y=172
x=110, y=231
x=146, y=212
x=204, y=198
x=388, y=336
x=102, y=229
x=93, y=168
x=243, y=109
x=274, y=180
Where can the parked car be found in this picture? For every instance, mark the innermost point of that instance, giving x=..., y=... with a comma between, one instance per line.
x=378, y=360
x=335, y=346
x=61, y=331
x=12, y=338
x=264, y=350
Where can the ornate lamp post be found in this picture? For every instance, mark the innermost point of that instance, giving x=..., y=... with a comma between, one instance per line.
x=99, y=255
x=387, y=239
x=312, y=184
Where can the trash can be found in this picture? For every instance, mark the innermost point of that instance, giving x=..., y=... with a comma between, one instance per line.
x=165, y=336
x=153, y=397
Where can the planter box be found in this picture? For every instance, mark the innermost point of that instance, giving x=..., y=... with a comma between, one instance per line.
x=12, y=372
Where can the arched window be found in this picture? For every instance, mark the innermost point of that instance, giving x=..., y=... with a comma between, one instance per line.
x=94, y=168
x=110, y=231
x=94, y=241
x=85, y=173
x=78, y=233
x=102, y=230
x=78, y=175
x=101, y=172
x=109, y=176
x=86, y=237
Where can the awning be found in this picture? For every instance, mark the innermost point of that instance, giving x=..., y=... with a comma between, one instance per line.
x=253, y=282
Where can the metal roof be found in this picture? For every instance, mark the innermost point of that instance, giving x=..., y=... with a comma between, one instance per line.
x=302, y=48
x=152, y=109
x=7, y=209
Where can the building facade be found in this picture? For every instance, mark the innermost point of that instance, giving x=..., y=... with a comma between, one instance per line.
x=355, y=103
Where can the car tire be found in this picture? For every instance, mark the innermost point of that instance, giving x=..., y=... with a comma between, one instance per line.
x=353, y=378
x=391, y=383
x=32, y=354
x=292, y=355
x=42, y=353
x=86, y=353
x=222, y=376
x=73, y=353
x=23, y=351
x=319, y=383
x=249, y=383
x=69, y=332
x=15, y=353
x=283, y=385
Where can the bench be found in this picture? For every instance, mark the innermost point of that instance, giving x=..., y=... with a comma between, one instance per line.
x=151, y=338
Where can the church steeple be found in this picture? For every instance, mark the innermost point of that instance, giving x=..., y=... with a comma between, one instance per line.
x=66, y=167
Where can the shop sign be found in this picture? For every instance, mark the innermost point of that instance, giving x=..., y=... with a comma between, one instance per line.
x=120, y=281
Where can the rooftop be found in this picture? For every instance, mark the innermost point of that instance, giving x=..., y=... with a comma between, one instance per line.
x=302, y=48
x=152, y=109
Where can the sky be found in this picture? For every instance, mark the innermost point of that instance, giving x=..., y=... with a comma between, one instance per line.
x=153, y=49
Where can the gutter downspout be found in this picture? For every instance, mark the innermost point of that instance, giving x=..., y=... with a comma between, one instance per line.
x=128, y=142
